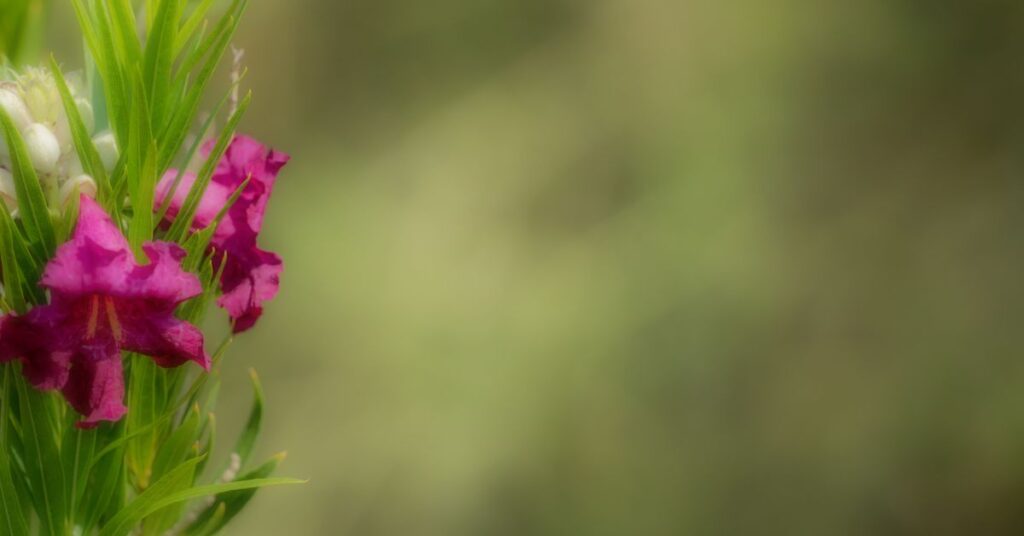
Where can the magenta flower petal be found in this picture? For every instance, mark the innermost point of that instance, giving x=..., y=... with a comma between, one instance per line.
x=249, y=279
x=33, y=342
x=103, y=302
x=251, y=276
x=247, y=157
x=95, y=386
x=213, y=200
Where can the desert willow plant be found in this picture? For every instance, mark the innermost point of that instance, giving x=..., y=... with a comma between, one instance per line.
x=111, y=251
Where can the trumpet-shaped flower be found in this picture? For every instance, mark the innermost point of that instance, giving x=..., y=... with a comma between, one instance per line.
x=251, y=275
x=103, y=302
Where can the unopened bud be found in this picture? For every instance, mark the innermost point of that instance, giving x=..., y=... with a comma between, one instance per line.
x=82, y=184
x=15, y=108
x=40, y=94
x=106, y=146
x=43, y=148
x=71, y=166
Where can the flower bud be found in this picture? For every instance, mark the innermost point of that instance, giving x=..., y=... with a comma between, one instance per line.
x=15, y=108
x=106, y=146
x=43, y=148
x=82, y=184
x=8, y=194
x=39, y=91
x=70, y=166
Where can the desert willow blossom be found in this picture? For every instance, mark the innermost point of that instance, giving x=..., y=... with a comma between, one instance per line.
x=111, y=255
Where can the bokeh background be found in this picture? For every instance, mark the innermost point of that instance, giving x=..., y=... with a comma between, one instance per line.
x=640, y=267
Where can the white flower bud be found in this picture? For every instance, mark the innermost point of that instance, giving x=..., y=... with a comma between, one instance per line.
x=82, y=184
x=63, y=133
x=39, y=91
x=15, y=108
x=43, y=148
x=106, y=146
x=71, y=166
x=8, y=194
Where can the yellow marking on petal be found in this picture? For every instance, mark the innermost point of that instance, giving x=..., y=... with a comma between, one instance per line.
x=115, y=323
x=94, y=314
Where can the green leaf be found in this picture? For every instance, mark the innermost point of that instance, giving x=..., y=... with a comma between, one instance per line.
x=230, y=504
x=247, y=440
x=150, y=501
x=70, y=219
x=87, y=154
x=172, y=452
x=26, y=267
x=179, y=446
x=192, y=24
x=31, y=199
x=13, y=280
x=213, y=48
x=135, y=511
x=159, y=54
x=161, y=213
x=12, y=511
x=76, y=451
x=141, y=228
x=107, y=481
x=42, y=455
x=142, y=411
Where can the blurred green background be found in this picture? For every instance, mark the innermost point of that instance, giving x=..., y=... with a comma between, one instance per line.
x=616, y=267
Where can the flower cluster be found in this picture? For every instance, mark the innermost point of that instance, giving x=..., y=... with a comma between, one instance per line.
x=32, y=101
x=103, y=301
x=250, y=275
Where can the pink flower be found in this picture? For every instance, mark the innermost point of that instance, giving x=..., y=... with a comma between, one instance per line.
x=103, y=302
x=251, y=275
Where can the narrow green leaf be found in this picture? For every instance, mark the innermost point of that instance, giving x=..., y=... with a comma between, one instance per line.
x=176, y=449
x=70, y=219
x=192, y=23
x=76, y=452
x=136, y=510
x=31, y=199
x=159, y=54
x=29, y=265
x=147, y=503
x=217, y=43
x=141, y=229
x=231, y=503
x=12, y=511
x=13, y=281
x=247, y=440
x=107, y=482
x=42, y=459
x=112, y=72
x=161, y=213
x=84, y=146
